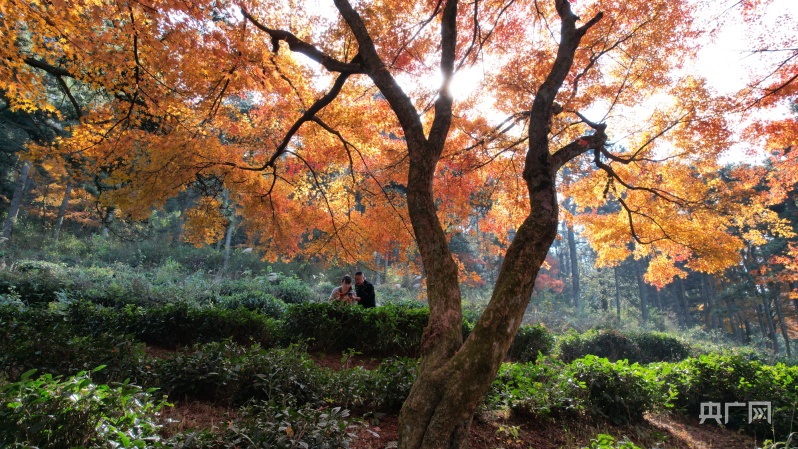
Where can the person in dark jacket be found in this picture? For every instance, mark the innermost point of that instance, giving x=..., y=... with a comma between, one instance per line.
x=365, y=291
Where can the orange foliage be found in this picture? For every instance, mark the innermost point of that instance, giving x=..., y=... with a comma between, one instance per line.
x=189, y=90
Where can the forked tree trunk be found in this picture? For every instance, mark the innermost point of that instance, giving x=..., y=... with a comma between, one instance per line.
x=455, y=375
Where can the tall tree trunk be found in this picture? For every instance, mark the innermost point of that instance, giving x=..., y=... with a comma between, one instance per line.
x=771, y=327
x=641, y=287
x=574, y=269
x=16, y=202
x=59, y=220
x=708, y=324
x=782, y=322
x=677, y=308
x=107, y=220
x=685, y=302
x=228, y=238
x=617, y=294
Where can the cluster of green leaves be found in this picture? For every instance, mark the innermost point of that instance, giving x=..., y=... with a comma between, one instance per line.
x=43, y=339
x=337, y=327
x=224, y=372
x=120, y=284
x=604, y=441
x=618, y=391
x=635, y=347
x=75, y=412
x=530, y=342
x=273, y=425
x=731, y=378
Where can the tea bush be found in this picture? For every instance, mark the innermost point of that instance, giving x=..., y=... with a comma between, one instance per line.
x=611, y=345
x=546, y=389
x=36, y=338
x=529, y=342
x=290, y=290
x=619, y=391
x=272, y=425
x=731, y=378
x=636, y=347
x=337, y=327
x=75, y=412
x=260, y=302
x=176, y=324
x=659, y=347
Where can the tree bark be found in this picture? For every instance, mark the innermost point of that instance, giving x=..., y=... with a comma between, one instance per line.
x=574, y=269
x=107, y=220
x=641, y=287
x=677, y=307
x=685, y=303
x=782, y=323
x=59, y=220
x=771, y=327
x=228, y=238
x=455, y=375
x=617, y=294
x=16, y=202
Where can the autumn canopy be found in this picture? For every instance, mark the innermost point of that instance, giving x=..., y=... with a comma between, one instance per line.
x=347, y=128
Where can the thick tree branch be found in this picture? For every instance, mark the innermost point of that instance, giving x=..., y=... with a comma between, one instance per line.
x=65, y=88
x=399, y=101
x=542, y=107
x=443, y=105
x=299, y=46
x=307, y=116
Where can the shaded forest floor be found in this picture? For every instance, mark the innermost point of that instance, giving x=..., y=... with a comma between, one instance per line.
x=489, y=430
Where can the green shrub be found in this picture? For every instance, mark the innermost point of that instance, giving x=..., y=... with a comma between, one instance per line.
x=42, y=339
x=619, y=391
x=75, y=412
x=337, y=327
x=546, y=389
x=259, y=302
x=611, y=345
x=290, y=290
x=726, y=379
x=529, y=342
x=272, y=425
x=224, y=372
x=35, y=281
x=177, y=324
x=659, y=347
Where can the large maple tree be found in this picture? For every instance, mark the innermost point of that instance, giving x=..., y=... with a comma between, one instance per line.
x=357, y=127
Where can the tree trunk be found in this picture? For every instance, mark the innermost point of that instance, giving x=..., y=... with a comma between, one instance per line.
x=771, y=327
x=574, y=269
x=685, y=302
x=107, y=220
x=228, y=238
x=782, y=323
x=641, y=287
x=677, y=308
x=455, y=375
x=59, y=220
x=16, y=201
x=617, y=294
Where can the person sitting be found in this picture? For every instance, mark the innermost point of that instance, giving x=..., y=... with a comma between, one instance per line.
x=344, y=293
x=365, y=290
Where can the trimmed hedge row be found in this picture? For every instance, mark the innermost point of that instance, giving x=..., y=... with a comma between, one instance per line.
x=635, y=347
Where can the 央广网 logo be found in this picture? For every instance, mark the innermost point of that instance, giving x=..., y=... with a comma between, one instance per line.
x=757, y=411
